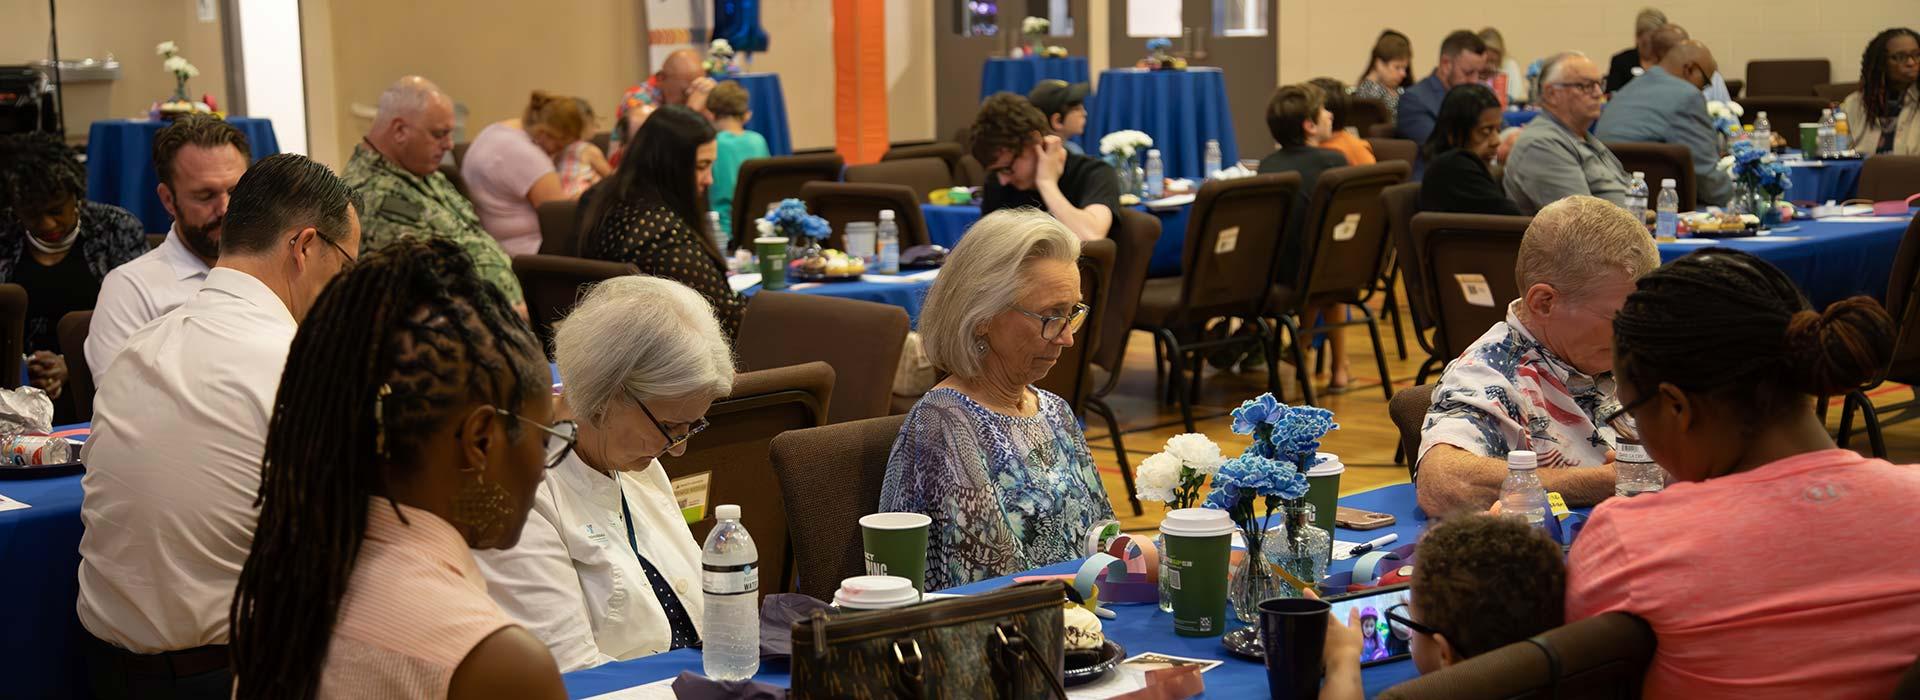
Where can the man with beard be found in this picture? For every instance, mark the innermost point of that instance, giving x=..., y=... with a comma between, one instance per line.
x=199, y=158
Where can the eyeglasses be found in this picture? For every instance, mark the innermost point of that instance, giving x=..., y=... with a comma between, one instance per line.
x=1052, y=326
x=1402, y=626
x=1591, y=87
x=1904, y=57
x=560, y=439
x=1620, y=417
x=673, y=441
x=349, y=260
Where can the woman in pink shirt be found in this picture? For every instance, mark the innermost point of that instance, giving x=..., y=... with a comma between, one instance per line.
x=509, y=169
x=1776, y=566
x=414, y=425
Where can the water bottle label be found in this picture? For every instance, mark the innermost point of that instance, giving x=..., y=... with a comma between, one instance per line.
x=729, y=580
x=1630, y=452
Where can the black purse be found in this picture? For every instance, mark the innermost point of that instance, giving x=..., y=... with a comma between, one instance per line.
x=1008, y=644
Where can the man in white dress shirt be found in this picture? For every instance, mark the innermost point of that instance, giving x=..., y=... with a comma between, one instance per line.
x=199, y=159
x=179, y=428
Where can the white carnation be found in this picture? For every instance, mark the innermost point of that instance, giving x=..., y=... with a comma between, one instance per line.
x=1738, y=110
x=1197, y=452
x=190, y=71
x=722, y=45
x=174, y=64
x=166, y=48
x=1157, y=477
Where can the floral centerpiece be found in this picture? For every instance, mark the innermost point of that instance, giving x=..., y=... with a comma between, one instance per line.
x=1759, y=178
x=1270, y=475
x=1176, y=476
x=182, y=70
x=1159, y=56
x=719, y=64
x=791, y=219
x=1036, y=29
x=1119, y=149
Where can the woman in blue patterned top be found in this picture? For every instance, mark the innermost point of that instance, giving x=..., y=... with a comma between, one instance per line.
x=999, y=464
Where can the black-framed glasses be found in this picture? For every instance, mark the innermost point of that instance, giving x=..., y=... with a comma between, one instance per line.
x=1052, y=326
x=1620, y=417
x=1903, y=57
x=560, y=439
x=673, y=441
x=349, y=260
x=1591, y=87
x=1403, y=627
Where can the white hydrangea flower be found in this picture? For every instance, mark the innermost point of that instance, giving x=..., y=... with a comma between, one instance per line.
x=1157, y=477
x=1035, y=25
x=190, y=71
x=1197, y=452
x=1738, y=111
x=174, y=64
x=166, y=48
x=1125, y=143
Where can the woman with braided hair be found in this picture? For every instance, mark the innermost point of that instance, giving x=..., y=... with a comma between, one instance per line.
x=1884, y=115
x=45, y=219
x=1770, y=537
x=413, y=423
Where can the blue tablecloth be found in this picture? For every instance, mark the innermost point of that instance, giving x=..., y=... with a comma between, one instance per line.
x=1519, y=117
x=1018, y=75
x=1181, y=110
x=1140, y=628
x=1830, y=261
x=1822, y=180
x=120, y=164
x=40, y=640
x=769, y=107
x=946, y=225
x=906, y=295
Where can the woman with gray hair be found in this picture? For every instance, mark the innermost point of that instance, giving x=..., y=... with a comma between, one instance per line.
x=999, y=464
x=606, y=569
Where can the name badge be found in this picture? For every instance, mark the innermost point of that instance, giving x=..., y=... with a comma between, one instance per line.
x=597, y=536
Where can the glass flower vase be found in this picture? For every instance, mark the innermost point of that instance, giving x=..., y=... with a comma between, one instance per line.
x=1305, y=549
x=1252, y=579
x=1166, y=594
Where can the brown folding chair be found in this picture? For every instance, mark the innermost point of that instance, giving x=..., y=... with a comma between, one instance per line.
x=733, y=453
x=1382, y=131
x=1735, y=86
x=831, y=477
x=1599, y=657
x=1133, y=239
x=1787, y=77
x=1408, y=409
x=460, y=154
x=1385, y=149
x=764, y=181
x=1232, y=249
x=841, y=203
x=554, y=283
x=1403, y=203
x=1364, y=112
x=1889, y=178
x=861, y=340
x=1341, y=262
x=1836, y=92
x=13, y=332
x=452, y=173
x=72, y=331
x=1400, y=202
x=1660, y=161
x=1785, y=113
x=922, y=175
x=970, y=173
x=1462, y=254
x=559, y=227
x=947, y=152
x=1903, y=302
x=1071, y=378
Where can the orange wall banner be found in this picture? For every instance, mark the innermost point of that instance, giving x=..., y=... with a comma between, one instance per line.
x=860, y=79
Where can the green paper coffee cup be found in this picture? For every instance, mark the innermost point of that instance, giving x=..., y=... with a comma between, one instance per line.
x=1199, y=541
x=1323, y=489
x=773, y=261
x=896, y=545
x=1810, y=140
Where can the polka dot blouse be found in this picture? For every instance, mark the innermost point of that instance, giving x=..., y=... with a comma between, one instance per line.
x=654, y=239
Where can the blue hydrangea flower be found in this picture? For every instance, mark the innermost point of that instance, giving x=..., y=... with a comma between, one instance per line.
x=1223, y=498
x=1296, y=435
x=816, y=227
x=1256, y=412
x=1159, y=44
x=1265, y=476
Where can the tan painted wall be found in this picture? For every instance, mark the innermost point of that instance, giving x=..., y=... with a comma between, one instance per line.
x=128, y=29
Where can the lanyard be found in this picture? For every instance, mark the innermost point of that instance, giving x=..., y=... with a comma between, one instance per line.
x=628, y=514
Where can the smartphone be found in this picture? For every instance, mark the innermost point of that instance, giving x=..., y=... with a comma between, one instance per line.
x=1380, y=641
x=1356, y=519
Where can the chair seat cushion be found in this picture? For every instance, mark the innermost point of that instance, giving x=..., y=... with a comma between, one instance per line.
x=1159, y=301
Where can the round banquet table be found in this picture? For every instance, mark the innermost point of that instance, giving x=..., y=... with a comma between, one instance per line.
x=1518, y=117
x=1820, y=181
x=947, y=224
x=120, y=164
x=907, y=292
x=1829, y=260
x=769, y=107
x=1018, y=75
x=1180, y=109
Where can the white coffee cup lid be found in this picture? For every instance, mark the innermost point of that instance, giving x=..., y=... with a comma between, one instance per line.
x=875, y=593
x=769, y=239
x=895, y=521
x=1197, y=522
x=1326, y=464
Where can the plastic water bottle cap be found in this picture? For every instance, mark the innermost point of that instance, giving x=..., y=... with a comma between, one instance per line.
x=1517, y=459
x=886, y=214
x=1667, y=182
x=1153, y=153
x=1637, y=175
x=732, y=512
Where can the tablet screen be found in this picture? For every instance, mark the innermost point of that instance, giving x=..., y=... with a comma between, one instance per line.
x=1377, y=642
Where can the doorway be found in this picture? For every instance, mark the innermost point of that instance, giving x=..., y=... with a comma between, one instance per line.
x=1236, y=36
x=968, y=32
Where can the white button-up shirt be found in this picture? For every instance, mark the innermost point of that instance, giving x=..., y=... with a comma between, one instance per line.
x=574, y=581
x=179, y=428
x=134, y=294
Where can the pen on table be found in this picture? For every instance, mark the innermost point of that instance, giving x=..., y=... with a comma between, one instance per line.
x=1373, y=544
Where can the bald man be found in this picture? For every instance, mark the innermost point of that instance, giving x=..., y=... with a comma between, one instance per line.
x=680, y=81
x=396, y=171
x=1555, y=157
x=1664, y=40
x=1665, y=105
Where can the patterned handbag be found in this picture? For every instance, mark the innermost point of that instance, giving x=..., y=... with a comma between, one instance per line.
x=1008, y=644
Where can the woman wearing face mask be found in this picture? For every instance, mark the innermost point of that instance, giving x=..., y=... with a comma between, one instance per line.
x=607, y=569
x=1464, y=140
x=56, y=244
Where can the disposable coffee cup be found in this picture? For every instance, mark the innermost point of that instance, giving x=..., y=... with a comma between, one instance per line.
x=1293, y=636
x=896, y=545
x=1810, y=140
x=875, y=593
x=1198, y=541
x=1323, y=489
x=773, y=261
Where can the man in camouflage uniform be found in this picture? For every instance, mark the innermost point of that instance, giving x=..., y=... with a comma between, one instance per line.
x=396, y=171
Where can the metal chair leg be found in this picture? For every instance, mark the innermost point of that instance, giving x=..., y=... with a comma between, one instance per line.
x=1871, y=416
x=1300, y=360
x=1379, y=351
x=1176, y=356
x=1270, y=348
x=1391, y=307
x=1846, y=422
x=1426, y=369
x=1120, y=450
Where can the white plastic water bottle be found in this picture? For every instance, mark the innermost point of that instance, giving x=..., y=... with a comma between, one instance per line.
x=1156, y=175
x=1634, y=470
x=1211, y=163
x=1826, y=133
x=1842, y=140
x=1521, y=495
x=719, y=233
x=888, y=240
x=730, y=580
x=1637, y=197
x=1762, y=132
x=1667, y=221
